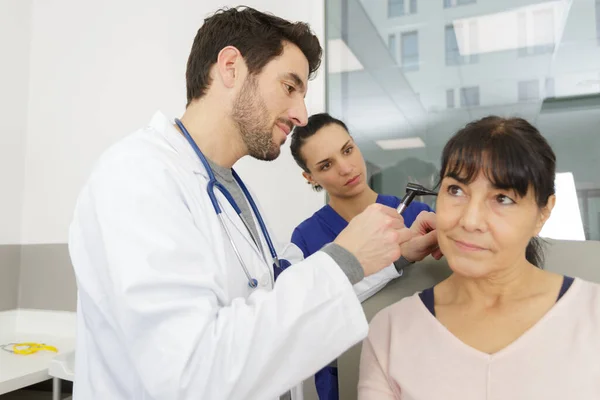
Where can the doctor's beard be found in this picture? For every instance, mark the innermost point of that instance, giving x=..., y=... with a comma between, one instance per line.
x=251, y=116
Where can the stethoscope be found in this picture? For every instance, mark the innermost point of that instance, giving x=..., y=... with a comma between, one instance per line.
x=212, y=184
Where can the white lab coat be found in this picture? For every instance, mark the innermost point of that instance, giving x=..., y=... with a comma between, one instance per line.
x=164, y=307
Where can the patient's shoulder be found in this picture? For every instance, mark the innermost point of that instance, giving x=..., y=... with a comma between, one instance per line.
x=406, y=314
x=588, y=293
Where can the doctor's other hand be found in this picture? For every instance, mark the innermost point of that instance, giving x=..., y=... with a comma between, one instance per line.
x=374, y=237
x=424, y=241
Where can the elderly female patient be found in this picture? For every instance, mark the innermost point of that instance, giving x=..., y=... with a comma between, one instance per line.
x=500, y=327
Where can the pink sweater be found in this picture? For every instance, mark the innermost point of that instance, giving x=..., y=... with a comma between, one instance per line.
x=409, y=355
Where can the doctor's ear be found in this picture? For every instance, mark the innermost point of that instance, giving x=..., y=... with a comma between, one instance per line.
x=229, y=62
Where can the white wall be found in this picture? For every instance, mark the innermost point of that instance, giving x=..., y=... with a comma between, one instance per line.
x=15, y=23
x=99, y=70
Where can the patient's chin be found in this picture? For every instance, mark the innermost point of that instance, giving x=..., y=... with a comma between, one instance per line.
x=468, y=267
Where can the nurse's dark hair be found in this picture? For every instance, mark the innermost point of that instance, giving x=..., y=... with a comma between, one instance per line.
x=258, y=36
x=512, y=154
x=302, y=133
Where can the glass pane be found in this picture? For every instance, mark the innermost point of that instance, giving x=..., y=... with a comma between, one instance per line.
x=393, y=46
x=450, y=98
x=451, y=44
x=469, y=97
x=598, y=21
x=410, y=51
x=413, y=6
x=542, y=67
x=395, y=8
x=529, y=90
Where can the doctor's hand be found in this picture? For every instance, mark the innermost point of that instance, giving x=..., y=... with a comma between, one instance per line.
x=424, y=240
x=374, y=237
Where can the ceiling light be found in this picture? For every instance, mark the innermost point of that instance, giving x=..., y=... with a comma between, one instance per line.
x=405, y=143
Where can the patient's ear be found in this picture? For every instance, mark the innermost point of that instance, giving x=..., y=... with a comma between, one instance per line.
x=545, y=213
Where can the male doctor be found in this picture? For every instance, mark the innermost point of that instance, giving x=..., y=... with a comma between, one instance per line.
x=165, y=307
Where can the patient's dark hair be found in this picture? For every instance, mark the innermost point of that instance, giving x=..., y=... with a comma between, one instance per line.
x=302, y=133
x=512, y=154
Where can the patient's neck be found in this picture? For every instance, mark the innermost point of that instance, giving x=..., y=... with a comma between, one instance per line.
x=350, y=207
x=514, y=283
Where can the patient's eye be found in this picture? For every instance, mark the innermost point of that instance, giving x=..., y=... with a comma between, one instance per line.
x=325, y=166
x=455, y=190
x=504, y=199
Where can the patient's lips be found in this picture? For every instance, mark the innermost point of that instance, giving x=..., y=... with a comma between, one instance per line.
x=468, y=246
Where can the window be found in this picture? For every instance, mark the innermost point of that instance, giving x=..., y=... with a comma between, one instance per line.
x=543, y=31
x=395, y=8
x=413, y=6
x=452, y=52
x=536, y=32
x=398, y=8
x=454, y=3
x=410, y=51
x=598, y=21
x=529, y=90
x=450, y=98
x=453, y=56
x=393, y=46
x=469, y=96
x=550, y=91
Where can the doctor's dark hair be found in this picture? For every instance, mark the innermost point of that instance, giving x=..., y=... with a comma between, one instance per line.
x=512, y=154
x=302, y=133
x=258, y=36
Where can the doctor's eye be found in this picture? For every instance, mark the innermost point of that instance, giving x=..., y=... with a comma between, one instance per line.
x=325, y=167
x=288, y=88
x=348, y=150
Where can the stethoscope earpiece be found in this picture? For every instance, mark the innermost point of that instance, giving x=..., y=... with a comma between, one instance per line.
x=253, y=283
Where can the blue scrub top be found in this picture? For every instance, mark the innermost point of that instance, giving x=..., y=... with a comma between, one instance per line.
x=317, y=231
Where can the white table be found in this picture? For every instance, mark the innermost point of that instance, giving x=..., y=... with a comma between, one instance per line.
x=55, y=328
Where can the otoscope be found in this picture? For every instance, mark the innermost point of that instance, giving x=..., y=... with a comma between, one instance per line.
x=413, y=190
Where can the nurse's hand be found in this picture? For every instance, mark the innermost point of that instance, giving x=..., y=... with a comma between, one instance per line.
x=424, y=241
x=374, y=237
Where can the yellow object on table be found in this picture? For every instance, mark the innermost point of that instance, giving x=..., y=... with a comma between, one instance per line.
x=27, y=348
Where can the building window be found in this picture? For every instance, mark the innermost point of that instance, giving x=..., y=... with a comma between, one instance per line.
x=450, y=98
x=536, y=32
x=550, y=91
x=398, y=8
x=393, y=46
x=452, y=51
x=598, y=21
x=413, y=6
x=529, y=90
x=469, y=96
x=454, y=3
x=395, y=8
x=410, y=51
x=453, y=56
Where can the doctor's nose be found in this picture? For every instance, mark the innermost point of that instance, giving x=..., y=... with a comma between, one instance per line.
x=298, y=113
